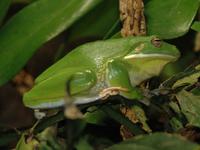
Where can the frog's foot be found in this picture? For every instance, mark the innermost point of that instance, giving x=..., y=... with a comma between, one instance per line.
x=38, y=114
x=72, y=112
x=111, y=91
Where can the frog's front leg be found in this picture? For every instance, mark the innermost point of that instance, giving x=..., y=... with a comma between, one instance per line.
x=119, y=81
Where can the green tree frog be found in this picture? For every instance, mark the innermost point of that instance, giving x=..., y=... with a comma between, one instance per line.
x=96, y=70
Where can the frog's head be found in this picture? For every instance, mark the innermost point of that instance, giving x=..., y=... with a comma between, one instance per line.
x=149, y=55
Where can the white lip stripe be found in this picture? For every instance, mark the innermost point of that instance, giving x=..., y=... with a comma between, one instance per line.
x=149, y=55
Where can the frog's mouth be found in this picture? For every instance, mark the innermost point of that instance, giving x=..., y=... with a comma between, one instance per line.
x=151, y=56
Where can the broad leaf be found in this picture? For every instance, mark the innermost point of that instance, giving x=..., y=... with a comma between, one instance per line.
x=187, y=77
x=95, y=115
x=171, y=18
x=196, y=91
x=188, y=80
x=156, y=141
x=90, y=27
x=4, y=4
x=23, y=1
x=196, y=26
x=33, y=26
x=141, y=116
x=190, y=106
x=83, y=144
x=96, y=23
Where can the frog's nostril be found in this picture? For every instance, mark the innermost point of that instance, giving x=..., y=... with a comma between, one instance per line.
x=139, y=48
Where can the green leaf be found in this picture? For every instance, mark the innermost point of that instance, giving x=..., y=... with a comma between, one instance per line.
x=49, y=121
x=47, y=139
x=119, y=117
x=23, y=144
x=190, y=106
x=156, y=141
x=177, y=119
x=196, y=91
x=90, y=26
x=91, y=142
x=188, y=80
x=83, y=144
x=188, y=77
x=196, y=26
x=130, y=147
x=34, y=25
x=141, y=116
x=23, y=1
x=4, y=5
x=171, y=18
x=95, y=115
x=176, y=123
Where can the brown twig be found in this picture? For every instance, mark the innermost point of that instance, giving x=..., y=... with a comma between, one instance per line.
x=132, y=17
x=133, y=24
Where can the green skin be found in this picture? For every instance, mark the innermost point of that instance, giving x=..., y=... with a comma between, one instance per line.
x=93, y=67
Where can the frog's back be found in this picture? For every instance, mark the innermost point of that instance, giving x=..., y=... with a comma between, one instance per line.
x=90, y=55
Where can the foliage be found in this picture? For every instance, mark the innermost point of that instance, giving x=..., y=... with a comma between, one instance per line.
x=156, y=141
x=171, y=102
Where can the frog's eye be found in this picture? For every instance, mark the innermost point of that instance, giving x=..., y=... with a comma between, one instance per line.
x=156, y=42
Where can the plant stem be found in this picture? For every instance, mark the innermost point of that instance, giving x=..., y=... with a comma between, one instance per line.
x=117, y=116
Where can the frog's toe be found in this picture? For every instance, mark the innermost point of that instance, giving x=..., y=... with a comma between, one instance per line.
x=111, y=91
x=39, y=115
x=72, y=112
